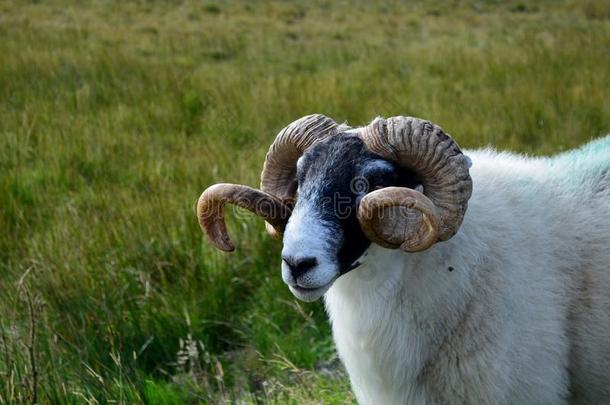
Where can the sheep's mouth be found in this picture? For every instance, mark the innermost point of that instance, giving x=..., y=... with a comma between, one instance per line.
x=310, y=294
x=306, y=289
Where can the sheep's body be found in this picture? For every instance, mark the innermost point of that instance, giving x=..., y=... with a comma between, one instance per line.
x=514, y=309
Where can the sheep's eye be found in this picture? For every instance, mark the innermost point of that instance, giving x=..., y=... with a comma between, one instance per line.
x=379, y=176
x=377, y=182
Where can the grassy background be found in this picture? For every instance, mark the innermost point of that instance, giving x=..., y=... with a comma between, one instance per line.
x=114, y=116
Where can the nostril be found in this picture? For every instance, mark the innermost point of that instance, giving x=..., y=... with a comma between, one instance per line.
x=306, y=264
x=299, y=266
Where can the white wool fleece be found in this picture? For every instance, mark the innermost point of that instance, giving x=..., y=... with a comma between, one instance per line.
x=514, y=309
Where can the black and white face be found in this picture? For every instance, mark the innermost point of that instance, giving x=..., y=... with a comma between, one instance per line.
x=323, y=239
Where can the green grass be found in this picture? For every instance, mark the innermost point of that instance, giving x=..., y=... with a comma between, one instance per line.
x=114, y=116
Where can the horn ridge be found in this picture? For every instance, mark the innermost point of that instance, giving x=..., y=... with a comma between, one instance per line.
x=279, y=169
x=436, y=158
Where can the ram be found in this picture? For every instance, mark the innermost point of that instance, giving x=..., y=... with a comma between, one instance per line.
x=449, y=277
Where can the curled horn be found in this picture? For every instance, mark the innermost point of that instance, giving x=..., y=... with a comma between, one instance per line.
x=399, y=217
x=405, y=229
x=210, y=210
x=278, y=177
x=278, y=183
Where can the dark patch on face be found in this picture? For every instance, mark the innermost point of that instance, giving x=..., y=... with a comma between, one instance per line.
x=333, y=176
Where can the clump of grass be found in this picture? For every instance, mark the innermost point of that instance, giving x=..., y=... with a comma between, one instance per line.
x=114, y=119
x=212, y=8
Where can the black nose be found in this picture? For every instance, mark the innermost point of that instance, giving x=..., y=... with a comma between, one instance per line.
x=300, y=265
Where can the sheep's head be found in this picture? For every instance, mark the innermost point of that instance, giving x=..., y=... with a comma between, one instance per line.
x=331, y=191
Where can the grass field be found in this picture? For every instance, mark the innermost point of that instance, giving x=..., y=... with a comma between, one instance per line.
x=114, y=116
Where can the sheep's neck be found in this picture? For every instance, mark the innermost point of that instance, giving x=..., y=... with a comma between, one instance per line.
x=395, y=307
